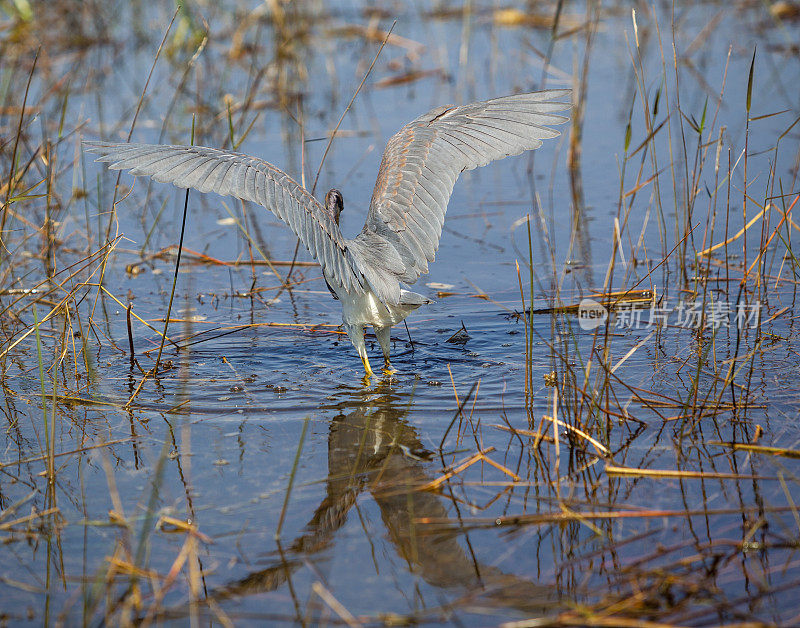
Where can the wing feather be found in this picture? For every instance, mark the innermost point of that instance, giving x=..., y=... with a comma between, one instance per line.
x=419, y=169
x=250, y=179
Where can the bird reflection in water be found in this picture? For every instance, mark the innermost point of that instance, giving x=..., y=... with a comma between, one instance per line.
x=372, y=447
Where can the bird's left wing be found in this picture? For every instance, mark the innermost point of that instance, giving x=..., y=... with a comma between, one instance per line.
x=419, y=168
x=250, y=179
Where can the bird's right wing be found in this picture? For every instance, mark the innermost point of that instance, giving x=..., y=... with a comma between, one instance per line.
x=419, y=168
x=250, y=179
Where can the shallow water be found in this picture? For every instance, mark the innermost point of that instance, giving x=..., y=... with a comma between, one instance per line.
x=264, y=424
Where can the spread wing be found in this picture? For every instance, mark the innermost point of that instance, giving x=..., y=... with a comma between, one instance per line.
x=247, y=178
x=419, y=168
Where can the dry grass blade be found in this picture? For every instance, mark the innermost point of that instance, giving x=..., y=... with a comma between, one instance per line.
x=676, y=473
x=633, y=350
x=335, y=605
x=497, y=465
x=764, y=246
x=190, y=255
x=610, y=300
x=530, y=433
x=455, y=470
x=174, y=525
x=601, y=449
x=760, y=449
x=578, y=516
x=63, y=453
x=735, y=237
x=575, y=619
x=8, y=525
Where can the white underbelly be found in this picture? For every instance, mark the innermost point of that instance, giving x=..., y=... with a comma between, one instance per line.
x=366, y=309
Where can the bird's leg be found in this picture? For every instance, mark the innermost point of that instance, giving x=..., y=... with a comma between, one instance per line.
x=356, y=334
x=384, y=337
x=365, y=361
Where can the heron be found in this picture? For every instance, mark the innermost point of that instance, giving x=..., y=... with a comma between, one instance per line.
x=401, y=234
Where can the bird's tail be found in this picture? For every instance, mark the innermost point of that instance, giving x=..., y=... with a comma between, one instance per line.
x=412, y=299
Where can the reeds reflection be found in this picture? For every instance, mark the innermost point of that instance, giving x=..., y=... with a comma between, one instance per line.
x=375, y=453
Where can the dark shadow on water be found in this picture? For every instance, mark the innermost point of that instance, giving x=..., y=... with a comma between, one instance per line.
x=373, y=448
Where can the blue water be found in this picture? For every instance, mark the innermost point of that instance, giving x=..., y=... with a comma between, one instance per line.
x=215, y=440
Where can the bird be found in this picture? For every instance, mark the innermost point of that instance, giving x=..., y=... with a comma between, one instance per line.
x=401, y=234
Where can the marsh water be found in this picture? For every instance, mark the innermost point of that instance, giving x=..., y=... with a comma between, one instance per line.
x=256, y=477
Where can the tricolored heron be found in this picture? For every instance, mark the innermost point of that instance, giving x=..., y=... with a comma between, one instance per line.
x=404, y=222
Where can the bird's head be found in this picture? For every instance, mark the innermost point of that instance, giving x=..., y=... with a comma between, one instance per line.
x=335, y=203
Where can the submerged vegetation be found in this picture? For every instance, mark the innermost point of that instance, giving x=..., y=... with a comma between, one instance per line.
x=597, y=423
